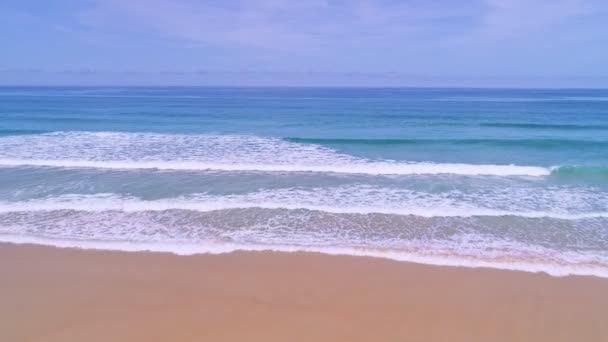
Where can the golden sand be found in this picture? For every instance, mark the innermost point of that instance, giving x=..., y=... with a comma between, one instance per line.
x=50, y=294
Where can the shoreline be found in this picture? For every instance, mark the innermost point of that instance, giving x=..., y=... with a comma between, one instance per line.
x=59, y=294
x=441, y=260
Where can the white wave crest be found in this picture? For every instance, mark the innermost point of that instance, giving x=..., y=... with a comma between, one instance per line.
x=529, y=203
x=111, y=150
x=377, y=168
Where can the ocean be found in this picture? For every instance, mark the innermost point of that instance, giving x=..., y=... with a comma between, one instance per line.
x=502, y=178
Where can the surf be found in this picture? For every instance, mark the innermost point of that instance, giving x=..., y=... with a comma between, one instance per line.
x=344, y=200
x=121, y=150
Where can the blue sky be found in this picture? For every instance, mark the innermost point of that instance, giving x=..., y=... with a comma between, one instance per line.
x=468, y=42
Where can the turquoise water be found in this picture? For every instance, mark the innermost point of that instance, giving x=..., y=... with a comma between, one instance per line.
x=514, y=179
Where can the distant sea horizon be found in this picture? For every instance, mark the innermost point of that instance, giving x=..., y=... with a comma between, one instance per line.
x=304, y=78
x=316, y=86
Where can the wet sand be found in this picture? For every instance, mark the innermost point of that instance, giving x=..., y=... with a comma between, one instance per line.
x=52, y=294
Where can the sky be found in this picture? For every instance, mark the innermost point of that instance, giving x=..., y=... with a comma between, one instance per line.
x=314, y=42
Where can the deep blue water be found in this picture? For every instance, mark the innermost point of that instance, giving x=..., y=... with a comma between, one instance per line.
x=500, y=177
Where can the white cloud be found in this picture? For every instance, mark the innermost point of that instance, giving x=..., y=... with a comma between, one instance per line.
x=265, y=24
x=439, y=36
x=514, y=18
x=271, y=24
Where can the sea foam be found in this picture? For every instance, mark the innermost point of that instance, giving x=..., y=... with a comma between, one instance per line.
x=568, y=203
x=541, y=265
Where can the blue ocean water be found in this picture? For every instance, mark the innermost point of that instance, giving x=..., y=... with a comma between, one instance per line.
x=504, y=178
